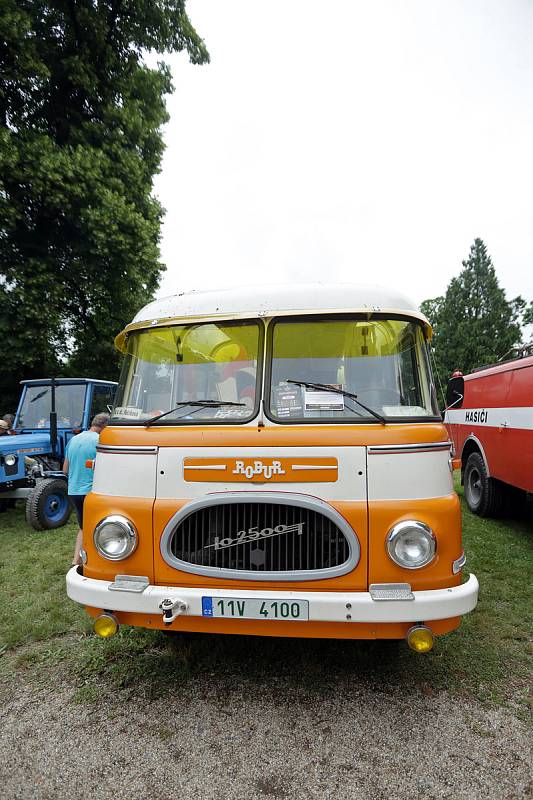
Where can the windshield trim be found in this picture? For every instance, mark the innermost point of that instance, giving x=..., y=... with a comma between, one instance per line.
x=260, y=324
x=365, y=420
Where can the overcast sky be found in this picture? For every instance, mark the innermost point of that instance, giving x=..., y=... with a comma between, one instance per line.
x=351, y=141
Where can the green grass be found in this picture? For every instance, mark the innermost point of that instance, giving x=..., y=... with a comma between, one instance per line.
x=33, y=606
x=44, y=636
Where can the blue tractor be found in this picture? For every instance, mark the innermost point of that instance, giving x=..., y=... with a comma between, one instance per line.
x=51, y=411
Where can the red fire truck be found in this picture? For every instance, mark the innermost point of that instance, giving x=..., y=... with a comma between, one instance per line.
x=489, y=415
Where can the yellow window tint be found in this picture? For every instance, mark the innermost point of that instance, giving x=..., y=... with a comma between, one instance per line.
x=182, y=364
x=382, y=361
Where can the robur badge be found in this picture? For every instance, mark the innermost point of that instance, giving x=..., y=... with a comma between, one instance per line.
x=253, y=534
x=258, y=468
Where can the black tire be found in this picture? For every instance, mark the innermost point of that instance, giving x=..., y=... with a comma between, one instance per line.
x=483, y=494
x=514, y=500
x=48, y=505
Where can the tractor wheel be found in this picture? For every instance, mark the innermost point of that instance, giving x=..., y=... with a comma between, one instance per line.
x=483, y=495
x=48, y=505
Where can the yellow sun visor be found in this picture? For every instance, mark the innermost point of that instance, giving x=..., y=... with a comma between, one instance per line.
x=121, y=341
x=211, y=342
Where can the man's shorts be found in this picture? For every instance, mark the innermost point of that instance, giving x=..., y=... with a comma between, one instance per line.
x=77, y=502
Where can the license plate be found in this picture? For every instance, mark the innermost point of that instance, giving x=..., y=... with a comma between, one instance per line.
x=254, y=608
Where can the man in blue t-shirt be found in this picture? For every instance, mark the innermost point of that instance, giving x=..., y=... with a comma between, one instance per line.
x=80, y=449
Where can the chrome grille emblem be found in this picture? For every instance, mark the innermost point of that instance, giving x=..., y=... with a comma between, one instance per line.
x=253, y=535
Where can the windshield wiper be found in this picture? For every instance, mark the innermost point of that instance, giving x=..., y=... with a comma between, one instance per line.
x=323, y=387
x=197, y=403
x=38, y=396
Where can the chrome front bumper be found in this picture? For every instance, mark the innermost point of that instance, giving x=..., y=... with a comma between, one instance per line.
x=323, y=606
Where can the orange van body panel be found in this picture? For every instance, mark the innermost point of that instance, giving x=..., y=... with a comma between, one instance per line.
x=136, y=509
x=442, y=514
x=371, y=522
x=274, y=436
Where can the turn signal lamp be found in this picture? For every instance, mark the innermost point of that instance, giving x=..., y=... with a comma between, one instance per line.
x=420, y=639
x=105, y=625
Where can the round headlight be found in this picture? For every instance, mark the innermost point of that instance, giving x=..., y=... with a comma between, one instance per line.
x=411, y=544
x=10, y=460
x=115, y=537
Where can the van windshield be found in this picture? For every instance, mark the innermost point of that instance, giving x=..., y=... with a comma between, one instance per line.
x=381, y=361
x=166, y=368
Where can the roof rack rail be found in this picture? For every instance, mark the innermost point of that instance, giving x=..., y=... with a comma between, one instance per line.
x=518, y=351
x=513, y=354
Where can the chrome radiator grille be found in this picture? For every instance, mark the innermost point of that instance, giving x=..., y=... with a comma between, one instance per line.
x=259, y=538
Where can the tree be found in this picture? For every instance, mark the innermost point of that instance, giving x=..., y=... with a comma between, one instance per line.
x=473, y=324
x=80, y=143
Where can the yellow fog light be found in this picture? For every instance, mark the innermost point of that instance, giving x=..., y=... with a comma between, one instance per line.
x=420, y=639
x=105, y=625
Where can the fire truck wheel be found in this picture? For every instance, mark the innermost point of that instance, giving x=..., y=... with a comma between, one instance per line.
x=48, y=505
x=483, y=494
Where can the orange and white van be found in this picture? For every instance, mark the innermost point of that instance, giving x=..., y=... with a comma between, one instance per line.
x=276, y=465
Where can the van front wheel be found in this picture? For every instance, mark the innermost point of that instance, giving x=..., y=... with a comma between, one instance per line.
x=482, y=493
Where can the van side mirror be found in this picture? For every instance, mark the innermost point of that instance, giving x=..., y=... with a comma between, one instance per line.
x=455, y=392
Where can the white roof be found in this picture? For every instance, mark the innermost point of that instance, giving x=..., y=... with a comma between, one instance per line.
x=266, y=301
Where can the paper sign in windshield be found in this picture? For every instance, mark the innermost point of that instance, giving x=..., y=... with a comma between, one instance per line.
x=128, y=411
x=287, y=400
x=321, y=400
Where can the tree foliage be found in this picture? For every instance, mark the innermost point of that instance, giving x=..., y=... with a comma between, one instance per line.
x=80, y=143
x=474, y=323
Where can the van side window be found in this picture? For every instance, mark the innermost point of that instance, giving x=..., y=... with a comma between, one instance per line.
x=408, y=373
